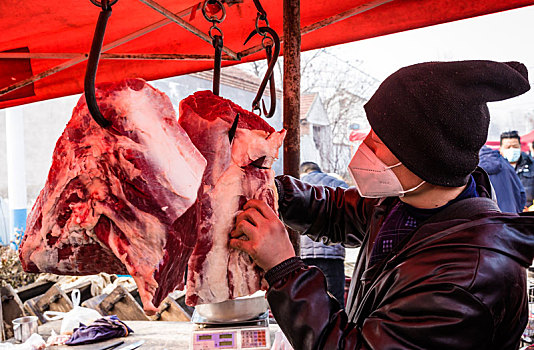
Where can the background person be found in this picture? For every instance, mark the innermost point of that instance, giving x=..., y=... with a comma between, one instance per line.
x=510, y=148
x=509, y=190
x=328, y=258
x=440, y=267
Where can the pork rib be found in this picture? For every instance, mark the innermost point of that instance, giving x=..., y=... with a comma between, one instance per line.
x=117, y=200
x=236, y=172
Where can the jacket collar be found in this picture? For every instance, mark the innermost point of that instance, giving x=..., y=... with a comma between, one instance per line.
x=510, y=234
x=524, y=159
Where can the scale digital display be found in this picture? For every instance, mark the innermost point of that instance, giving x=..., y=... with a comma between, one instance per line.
x=246, y=338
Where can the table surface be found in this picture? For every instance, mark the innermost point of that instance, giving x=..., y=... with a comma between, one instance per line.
x=158, y=335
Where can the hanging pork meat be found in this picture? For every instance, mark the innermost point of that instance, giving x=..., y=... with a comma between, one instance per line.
x=121, y=199
x=239, y=168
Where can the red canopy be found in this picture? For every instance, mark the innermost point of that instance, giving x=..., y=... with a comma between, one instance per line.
x=528, y=138
x=40, y=37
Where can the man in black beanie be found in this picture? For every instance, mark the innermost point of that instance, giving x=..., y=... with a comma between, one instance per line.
x=440, y=267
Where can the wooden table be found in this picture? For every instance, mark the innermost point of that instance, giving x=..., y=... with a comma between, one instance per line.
x=158, y=335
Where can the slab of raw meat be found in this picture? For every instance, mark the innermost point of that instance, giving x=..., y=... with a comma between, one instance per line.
x=119, y=200
x=217, y=273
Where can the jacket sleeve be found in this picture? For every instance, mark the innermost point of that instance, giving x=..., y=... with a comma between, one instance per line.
x=335, y=215
x=441, y=316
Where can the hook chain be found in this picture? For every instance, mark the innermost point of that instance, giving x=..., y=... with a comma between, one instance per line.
x=261, y=16
x=214, y=19
x=104, y=4
x=216, y=39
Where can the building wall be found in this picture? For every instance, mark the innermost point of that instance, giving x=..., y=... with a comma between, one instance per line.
x=316, y=137
x=308, y=149
x=317, y=114
x=344, y=155
x=43, y=124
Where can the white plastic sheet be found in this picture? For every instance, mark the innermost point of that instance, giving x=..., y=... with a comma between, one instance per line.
x=280, y=342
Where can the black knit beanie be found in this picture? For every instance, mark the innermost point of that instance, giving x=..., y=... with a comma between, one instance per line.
x=433, y=116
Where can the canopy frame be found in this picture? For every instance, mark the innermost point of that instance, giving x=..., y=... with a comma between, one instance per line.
x=75, y=58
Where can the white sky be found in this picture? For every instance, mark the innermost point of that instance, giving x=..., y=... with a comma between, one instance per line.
x=505, y=36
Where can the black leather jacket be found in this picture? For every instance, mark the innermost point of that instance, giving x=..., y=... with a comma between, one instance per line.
x=454, y=284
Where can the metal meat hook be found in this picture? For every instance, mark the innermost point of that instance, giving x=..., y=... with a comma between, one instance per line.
x=217, y=45
x=269, y=76
x=92, y=63
x=272, y=87
x=233, y=129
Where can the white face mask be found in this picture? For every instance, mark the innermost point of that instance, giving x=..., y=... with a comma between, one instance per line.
x=512, y=154
x=373, y=178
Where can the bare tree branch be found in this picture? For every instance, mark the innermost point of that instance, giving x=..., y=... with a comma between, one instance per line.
x=343, y=89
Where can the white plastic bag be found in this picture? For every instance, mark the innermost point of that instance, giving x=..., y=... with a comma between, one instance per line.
x=34, y=342
x=280, y=342
x=74, y=317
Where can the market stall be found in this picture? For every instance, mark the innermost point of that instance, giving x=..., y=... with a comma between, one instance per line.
x=45, y=45
x=150, y=335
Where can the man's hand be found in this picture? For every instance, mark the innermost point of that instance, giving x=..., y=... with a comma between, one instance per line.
x=259, y=233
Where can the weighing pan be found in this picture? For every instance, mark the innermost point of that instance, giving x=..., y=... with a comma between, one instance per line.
x=236, y=310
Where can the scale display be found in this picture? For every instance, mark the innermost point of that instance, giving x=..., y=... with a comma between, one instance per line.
x=232, y=338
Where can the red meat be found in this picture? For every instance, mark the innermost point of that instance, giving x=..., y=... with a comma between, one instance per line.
x=237, y=170
x=122, y=199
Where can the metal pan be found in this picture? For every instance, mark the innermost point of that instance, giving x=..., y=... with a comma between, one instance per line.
x=236, y=310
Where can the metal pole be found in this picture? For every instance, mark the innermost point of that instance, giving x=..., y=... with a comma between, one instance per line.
x=16, y=173
x=292, y=96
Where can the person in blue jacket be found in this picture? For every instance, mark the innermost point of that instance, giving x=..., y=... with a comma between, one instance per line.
x=328, y=258
x=509, y=190
x=523, y=164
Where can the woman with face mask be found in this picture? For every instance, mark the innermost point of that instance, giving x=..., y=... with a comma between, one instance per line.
x=440, y=267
